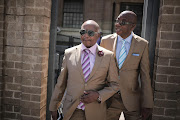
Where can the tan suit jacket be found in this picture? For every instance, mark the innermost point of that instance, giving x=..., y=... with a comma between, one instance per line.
x=72, y=79
x=133, y=96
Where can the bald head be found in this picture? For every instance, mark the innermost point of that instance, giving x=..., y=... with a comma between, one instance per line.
x=129, y=15
x=92, y=23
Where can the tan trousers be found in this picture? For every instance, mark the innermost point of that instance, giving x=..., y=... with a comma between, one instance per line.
x=116, y=107
x=78, y=115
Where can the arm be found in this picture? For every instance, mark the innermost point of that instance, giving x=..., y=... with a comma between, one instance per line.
x=146, y=90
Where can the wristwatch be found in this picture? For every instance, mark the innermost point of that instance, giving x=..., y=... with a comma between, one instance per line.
x=99, y=99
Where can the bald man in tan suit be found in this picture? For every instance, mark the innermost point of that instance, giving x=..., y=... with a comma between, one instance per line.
x=85, y=100
x=135, y=98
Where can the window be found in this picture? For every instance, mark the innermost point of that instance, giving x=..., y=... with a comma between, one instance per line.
x=73, y=13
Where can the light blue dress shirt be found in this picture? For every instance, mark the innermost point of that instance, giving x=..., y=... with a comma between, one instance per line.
x=119, y=44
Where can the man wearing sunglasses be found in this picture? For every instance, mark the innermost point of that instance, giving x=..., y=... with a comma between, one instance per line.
x=85, y=71
x=134, y=98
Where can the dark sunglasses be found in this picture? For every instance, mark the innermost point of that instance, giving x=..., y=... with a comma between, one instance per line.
x=89, y=32
x=123, y=22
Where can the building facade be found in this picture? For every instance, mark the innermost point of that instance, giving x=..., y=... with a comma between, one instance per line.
x=26, y=37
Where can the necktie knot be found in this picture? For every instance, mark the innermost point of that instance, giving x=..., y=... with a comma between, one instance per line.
x=86, y=51
x=123, y=41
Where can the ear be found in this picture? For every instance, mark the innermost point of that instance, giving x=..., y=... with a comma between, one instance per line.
x=133, y=27
x=98, y=35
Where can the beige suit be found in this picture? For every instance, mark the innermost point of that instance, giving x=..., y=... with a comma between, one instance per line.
x=132, y=95
x=72, y=79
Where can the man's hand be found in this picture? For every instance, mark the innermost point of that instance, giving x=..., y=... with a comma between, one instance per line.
x=54, y=115
x=146, y=112
x=89, y=96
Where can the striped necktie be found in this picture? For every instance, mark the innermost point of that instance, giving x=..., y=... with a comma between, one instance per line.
x=86, y=72
x=86, y=64
x=122, y=55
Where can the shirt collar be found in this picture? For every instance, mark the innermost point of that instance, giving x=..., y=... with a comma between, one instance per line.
x=92, y=49
x=128, y=39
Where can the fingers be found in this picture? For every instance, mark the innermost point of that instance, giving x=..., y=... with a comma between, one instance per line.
x=89, y=97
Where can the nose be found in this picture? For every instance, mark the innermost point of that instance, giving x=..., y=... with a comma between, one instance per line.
x=85, y=35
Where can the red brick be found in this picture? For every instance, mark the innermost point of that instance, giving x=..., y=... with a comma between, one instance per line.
x=18, y=79
x=30, y=89
x=168, y=70
x=25, y=96
x=9, y=108
x=11, y=101
x=174, y=79
x=30, y=105
x=35, y=112
x=8, y=79
x=177, y=27
x=34, y=11
x=172, y=2
x=12, y=72
x=26, y=66
x=29, y=19
x=13, y=87
x=35, y=98
x=17, y=108
x=166, y=87
x=18, y=65
x=20, y=3
x=159, y=95
x=163, y=61
x=177, y=10
x=170, y=36
x=11, y=3
x=175, y=62
x=25, y=111
x=156, y=117
x=175, y=45
x=161, y=78
x=171, y=96
x=9, y=64
x=17, y=94
x=165, y=103
x=10, y=115
x=29, y=3
x=2, y=2
x=173, y=53
x=158, y=111
x=8, y=93
x=165, y=44
x=39, y=3
x=167, y=18
x=29, y=117
x=170, y=112
x=27, y=51
x=168, y=10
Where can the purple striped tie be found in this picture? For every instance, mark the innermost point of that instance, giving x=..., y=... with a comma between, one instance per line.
x=86, y=64
x=86, y=71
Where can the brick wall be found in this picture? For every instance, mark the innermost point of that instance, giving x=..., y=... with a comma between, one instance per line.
x=1, y=51
x=26, y=49
x=167, y=62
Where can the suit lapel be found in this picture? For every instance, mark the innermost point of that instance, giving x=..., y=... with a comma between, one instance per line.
x=97, y=63
x=114, y=49
x=133, y=44
x=78, y=60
